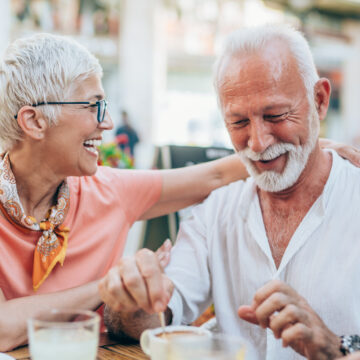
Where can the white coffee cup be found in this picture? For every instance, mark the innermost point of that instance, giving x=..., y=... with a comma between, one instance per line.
x=157, y=347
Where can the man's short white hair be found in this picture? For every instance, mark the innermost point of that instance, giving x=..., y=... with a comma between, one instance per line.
x=255, y=39
x=37, y=69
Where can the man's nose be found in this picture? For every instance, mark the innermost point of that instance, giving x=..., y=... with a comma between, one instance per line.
x=260, y=137
x=107, y=123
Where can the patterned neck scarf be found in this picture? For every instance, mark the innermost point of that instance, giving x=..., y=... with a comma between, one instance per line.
x=52, y=244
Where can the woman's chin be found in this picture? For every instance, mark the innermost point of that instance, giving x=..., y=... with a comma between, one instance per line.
x=88, y=170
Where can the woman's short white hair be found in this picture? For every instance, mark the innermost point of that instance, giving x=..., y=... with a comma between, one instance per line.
x=254, y=39
x=37, y=69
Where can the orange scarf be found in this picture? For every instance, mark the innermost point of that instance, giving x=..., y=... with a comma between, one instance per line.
x=51, y=246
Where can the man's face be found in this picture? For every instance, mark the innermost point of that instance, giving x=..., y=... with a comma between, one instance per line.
x=268, y=117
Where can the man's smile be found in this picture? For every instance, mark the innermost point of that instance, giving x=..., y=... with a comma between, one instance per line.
x=276, y=164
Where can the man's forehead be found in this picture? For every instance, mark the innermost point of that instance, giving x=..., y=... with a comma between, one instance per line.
x=273, y=61
x=260, y=104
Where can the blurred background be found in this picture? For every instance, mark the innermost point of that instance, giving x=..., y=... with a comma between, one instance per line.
x=157, y=57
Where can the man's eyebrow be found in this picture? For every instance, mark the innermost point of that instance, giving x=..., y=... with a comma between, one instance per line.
x=235, y=116
x=277, y=106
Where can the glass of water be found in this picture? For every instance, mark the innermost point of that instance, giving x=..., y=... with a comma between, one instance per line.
x=64, y=334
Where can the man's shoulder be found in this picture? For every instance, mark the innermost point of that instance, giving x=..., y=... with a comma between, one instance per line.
x=343, y=184
x=345, y=170
x=233, y=189
x=229, y=198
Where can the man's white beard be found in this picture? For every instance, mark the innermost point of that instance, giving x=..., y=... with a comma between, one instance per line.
x=297, y=159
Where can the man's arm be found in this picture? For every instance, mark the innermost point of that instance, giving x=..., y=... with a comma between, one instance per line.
x=192, y=184
x=14, y=313
x=132, y=324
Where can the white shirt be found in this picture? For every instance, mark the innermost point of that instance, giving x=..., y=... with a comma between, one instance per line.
x=222, y=256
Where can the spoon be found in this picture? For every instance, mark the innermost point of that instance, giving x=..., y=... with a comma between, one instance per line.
x=162, y=320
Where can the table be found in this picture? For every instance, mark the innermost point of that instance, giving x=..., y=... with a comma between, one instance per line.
x=109, y=349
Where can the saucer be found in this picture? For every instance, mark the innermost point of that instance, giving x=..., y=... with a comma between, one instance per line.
x=6, y=357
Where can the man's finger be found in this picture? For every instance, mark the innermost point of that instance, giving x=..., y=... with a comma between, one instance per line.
x=163, y=253
x=2, y=297
x=135, y=284
x=288, y=316
x=247, y=313
x=273, y=304
x=295, y=334
x=151, y=271
x=269, y=288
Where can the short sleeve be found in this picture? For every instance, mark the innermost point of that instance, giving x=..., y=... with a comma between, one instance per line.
x=134, y=191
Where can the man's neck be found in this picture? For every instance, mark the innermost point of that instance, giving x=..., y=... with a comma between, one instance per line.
x=310, y=183
x=283, y=211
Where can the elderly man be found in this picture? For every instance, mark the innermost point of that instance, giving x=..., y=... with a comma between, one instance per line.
x=280, y=250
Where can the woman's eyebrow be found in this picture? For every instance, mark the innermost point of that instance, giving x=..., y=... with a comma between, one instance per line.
x=96, y=97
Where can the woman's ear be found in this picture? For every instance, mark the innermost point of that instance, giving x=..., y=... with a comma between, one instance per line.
x=32, y=122
x=322, y=97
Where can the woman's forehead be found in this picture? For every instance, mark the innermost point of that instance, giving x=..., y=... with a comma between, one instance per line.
x=90, y=88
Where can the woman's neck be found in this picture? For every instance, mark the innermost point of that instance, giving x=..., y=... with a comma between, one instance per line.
x=37, y=186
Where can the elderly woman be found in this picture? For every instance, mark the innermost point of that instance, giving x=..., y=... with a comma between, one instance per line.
x=63, y=219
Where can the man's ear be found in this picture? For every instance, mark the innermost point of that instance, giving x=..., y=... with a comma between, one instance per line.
x=32, y=122
x=322, y=92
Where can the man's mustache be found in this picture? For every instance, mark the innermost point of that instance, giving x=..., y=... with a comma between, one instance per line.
x=272, y=152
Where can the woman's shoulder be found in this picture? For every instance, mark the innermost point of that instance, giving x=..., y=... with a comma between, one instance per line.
x=110, y=180
x=104, y=175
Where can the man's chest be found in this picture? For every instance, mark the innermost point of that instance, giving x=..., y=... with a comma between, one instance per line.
x=282, y=219
x=280, y=228
x=319, y=265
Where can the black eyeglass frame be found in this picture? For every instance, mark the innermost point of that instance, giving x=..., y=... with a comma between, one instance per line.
x=98, y=104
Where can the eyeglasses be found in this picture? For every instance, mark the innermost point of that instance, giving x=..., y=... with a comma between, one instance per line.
x=100, y=104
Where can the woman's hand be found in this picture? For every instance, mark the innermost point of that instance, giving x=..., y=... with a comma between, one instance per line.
x=348, y=152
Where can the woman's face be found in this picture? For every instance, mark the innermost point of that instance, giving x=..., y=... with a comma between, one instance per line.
x=71, y=144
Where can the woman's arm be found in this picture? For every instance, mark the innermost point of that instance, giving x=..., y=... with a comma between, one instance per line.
x=189, y=185
x=186, y=186
x=14, y=313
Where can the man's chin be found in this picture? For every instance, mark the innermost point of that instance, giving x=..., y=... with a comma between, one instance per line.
x=271, y=181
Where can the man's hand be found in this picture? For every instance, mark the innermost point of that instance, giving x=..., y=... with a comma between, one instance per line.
x=348, y=152
x=138, y=282
x=279, y=307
